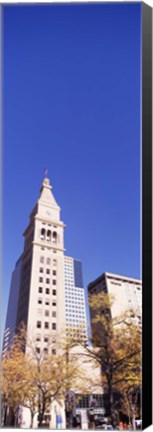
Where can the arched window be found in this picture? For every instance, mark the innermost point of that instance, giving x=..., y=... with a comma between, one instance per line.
x=54, y=238
x=42, y=235
x=48, y=235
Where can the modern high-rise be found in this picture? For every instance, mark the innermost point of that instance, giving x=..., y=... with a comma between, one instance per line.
x=75, y=310
x=126, y=294
x=11, y=318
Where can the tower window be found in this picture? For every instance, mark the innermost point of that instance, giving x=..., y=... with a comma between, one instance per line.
x=54, y=314
x=54, y=282
x=54, y=302
x=37, y=350
x=42, y=259
x=48, y=235
x=54, y=292
x=40, y=279
x=39, y=311
x=45, y=339
x=54, y=272
x=40, y=290
x=48, y=271
x=41, y=269
x=47, y=291
x=46, y=313
x=54, y=237
x=47, y=302
x=54, y=262
x=38, y=324
x=46, y=325
x=48, y=260
x=42, y=235
x=39, y=301
x=53, y=326
x=47, y=281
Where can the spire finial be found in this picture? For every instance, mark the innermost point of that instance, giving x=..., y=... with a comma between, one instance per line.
x=46, y=181
x=46, y=171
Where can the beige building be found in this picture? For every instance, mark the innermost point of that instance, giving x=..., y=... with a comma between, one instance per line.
x=126, y=293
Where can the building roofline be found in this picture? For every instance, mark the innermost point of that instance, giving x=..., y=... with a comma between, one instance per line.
x=19, y=259
x=114, y=276
x=98, y=279
x=117, y=276
x=74, y=259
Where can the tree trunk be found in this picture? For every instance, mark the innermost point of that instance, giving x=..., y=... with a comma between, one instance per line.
x=5, y=415
x=133, y=420
x=40, y=419
x=32, y=418
x=11, y=417
x=41, y=413
x=110, y=400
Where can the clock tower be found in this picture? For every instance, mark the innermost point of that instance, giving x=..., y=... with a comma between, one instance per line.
x=42, y=280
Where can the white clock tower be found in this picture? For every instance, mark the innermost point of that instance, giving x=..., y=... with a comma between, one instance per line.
x=42, y=300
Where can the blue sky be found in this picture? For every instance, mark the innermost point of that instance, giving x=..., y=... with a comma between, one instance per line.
x=71, y=101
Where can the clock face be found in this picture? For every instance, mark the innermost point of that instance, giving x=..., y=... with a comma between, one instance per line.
x=48, y=213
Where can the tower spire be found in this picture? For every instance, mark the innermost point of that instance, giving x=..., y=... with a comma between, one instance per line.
x=46, y=180
x=46, y=172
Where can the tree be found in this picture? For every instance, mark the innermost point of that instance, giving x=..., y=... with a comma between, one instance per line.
x=116, y=346
x=34, y=377
x=129, y=388
x=13, y=367
x=53, y=374
x=30, y=399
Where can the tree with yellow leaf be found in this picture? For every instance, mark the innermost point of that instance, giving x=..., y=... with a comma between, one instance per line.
x=13, y=367
x=34, y=378
x=129, y=387
x=57, y=372
x=116, y=347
